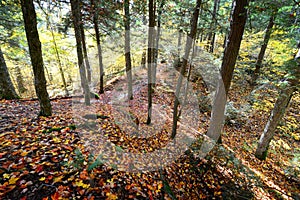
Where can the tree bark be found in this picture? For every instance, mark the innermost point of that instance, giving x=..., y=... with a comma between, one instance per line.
x=35, y=51
x=7, y=89
x=20, y=80
x=262, y=52
x=99, y=48
x=275, y=117
x=189, y=42
x=127, y=49
x=150, y=56
x=76, y=21
x=237, y=26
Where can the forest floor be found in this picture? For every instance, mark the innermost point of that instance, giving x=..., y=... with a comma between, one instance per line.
x=106, y=151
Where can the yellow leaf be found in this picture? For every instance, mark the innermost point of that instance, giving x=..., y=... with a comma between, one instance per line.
x=42, y=179
x=56, y=140
x=81, y=184
x=24, y=153
x=6, y=175
x=13, y=180
x=57, y=179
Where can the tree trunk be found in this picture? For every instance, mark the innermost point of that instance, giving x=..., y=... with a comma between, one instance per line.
x=76, y=21
x=213, y=26
x=7, y=89
x=160, y=10
x=20, y=80
x=85, y=54
x=263, y=49
x=150, y=56
x=231, y=51
x=35, y=51
x=189, y=42
x=99, y=48
x=275, y=117
x=127, y=48
x=59, y=62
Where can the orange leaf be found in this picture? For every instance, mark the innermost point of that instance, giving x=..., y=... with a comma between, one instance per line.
x=55, y=196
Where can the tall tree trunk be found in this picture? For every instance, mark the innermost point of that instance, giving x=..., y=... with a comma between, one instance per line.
x=7, y=89
x=85, y=54
x=35, y=51
x=99, y=48
x=275, y=117
x=160, y=10
x=189, y=42
x=127, y=49
x=237, y=26
x=263, y=48
x=212, y=34
x=76, y=21
x=150, y=56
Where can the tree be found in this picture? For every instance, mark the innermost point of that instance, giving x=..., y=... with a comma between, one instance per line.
x=76, y=13
x=264, y=46
x=212, y=33
x=150, y=56
x=7, y=89
x=237, y=26
x=279, y=109
x=85, y=54
x=99, y=48
x=127, y=48
x=35, y=51
x=188, y=46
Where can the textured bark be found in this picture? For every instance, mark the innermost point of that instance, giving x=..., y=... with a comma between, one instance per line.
x=150, y=56
x=99, y=48
x=237, y=26
x=127, y=49
x=263, y=49
x=188, y=46
x=7, y=89
x=275, y=117
x=35, y=51
x=76, y=21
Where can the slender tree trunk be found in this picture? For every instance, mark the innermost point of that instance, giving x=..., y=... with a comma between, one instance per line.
x=99, y=48
x=275, y=117
x=213, y=26
x=160, y=10
x=188, y=46
x=85, y=54
x=262, y=52
x=59, y=62
x=76, y=21
x=7, y=89
x=150, y=57
x=20, y=80
x=143, y=60
x=127, y=49
x=35, y=51
x=237, y=27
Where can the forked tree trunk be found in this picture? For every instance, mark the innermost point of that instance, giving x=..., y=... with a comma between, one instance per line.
x=35, y=51
x=263, y=49
x=127, y=49
x=275, y=117
x=7, y=89
x=237, y=26
x=188, y=46
x=76, y=21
